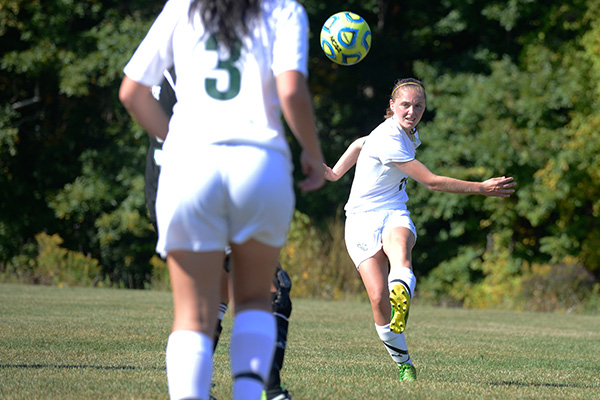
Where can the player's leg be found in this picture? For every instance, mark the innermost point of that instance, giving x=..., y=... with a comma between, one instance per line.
x=374, y=273
x=195, y=279
x=397, y=245
x=253, y=333
x=281, y=304
x=223, y=305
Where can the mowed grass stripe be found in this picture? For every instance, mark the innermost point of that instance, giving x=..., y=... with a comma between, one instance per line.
x=74, y=343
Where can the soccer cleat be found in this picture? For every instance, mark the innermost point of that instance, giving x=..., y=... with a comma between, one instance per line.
x=407, y=372
x=400, y=300
x=279, y=394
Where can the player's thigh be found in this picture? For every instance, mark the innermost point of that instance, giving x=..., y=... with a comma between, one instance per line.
x=397, y=245
x=254, y=264
x=374, y=272
x=399, y=237
x=195, y=279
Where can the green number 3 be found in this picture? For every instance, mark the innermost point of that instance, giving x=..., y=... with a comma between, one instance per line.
x=235, y=77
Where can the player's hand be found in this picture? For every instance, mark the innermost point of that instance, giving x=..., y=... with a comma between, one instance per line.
x=313, y=168
x=499, y=187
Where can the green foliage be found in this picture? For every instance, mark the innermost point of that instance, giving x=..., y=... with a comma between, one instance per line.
x=512, y=90
x=451, y=281
x=51, y=264
x=318, y=263
x=500, y=285
x=564, y=287
x=67, y=133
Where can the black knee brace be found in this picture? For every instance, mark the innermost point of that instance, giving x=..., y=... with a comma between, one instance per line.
x=282, y=309
x=280, y=299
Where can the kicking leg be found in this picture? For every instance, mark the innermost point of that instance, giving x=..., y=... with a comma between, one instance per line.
x=398, y=244
x=374, y=273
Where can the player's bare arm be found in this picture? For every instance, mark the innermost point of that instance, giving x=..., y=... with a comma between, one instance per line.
x=297, y=110
x=138, y=100
x=346, y=161
x=496, y=187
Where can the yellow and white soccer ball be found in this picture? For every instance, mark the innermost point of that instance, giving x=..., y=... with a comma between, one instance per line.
x=346, y=38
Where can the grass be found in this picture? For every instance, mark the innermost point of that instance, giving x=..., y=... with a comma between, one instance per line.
x=74, y=343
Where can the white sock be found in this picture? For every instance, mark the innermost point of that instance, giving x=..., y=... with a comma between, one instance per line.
x=189, y=365
x=252, y=347
x=405, y=276
x=395, y=343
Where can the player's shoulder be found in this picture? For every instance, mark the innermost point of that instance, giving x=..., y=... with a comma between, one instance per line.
x=383, y=131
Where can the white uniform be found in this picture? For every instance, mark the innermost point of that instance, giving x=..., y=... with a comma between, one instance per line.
x=378, y=196
x=226, y=168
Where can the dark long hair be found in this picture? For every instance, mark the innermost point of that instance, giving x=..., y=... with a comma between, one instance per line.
x=230, y=20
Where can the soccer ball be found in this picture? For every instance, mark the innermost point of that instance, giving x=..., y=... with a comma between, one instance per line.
x=346, y=38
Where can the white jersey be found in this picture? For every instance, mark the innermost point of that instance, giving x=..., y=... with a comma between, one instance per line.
x=223, y=97
x=378, y=184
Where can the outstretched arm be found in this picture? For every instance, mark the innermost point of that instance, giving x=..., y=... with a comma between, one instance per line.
x=346, y=161
x=498, y=187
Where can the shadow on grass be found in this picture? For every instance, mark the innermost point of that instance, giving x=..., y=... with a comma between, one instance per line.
x=98, y=367
x=534, y=384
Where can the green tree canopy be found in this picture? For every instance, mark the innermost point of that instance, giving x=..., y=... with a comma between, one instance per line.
x=512, y=90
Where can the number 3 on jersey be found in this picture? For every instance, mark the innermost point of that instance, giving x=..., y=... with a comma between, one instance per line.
x=235, y=77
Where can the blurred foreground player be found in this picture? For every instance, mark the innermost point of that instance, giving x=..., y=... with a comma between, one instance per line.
x=280, y=290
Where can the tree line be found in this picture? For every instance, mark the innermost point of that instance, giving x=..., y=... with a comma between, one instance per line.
x=512, y=87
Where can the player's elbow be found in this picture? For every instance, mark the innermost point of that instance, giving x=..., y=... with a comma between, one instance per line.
x=433, y=184
x=131, y=93
x=126, y=97
x=432, y=187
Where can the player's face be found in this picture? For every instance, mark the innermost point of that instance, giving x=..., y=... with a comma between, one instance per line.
x=408, y=107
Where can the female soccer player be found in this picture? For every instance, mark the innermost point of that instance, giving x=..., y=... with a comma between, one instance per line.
x=226, y=172
x=380, y=234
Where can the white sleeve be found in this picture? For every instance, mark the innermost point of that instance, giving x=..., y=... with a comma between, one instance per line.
x=155, y=54
x=392, y=148
x=290, y=49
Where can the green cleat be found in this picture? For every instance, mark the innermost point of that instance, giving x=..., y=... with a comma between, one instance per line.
x=407, y=373
x=400, y=300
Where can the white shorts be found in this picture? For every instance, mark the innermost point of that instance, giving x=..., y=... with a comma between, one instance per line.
x=223, y=194
x=365, y=231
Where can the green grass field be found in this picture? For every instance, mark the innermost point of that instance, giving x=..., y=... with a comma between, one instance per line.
x=76, y=343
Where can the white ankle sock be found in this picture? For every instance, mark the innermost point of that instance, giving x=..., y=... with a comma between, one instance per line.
x=395, y=343
x=252, y=347
x=189, y=365
x=405, y=276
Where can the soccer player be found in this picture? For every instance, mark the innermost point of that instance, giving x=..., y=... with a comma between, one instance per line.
x=281, y=302
x=225, y=177
x=380, y=234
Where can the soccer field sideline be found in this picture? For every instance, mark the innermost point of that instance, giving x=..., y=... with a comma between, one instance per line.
x=104, y=343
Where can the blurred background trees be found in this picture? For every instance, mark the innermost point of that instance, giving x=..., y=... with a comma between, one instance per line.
x=513, y=89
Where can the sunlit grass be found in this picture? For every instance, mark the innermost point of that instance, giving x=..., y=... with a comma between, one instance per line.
x=75, y=343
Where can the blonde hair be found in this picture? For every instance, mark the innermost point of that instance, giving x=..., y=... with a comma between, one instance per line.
x=404, y=83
